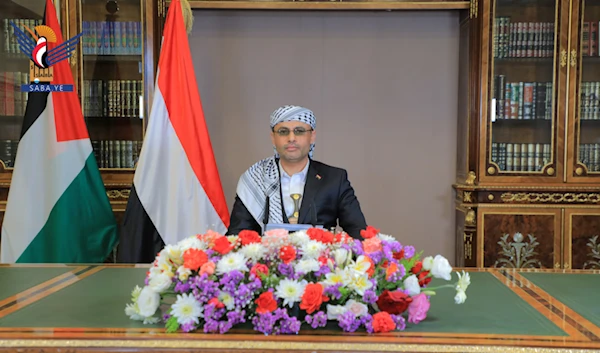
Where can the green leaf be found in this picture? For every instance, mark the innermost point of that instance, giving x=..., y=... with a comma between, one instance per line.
x=172, y=325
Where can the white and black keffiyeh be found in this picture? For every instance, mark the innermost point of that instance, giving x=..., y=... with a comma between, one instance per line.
x=261, y=181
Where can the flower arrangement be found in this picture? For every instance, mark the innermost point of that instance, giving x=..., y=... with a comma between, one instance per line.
x=279, y=281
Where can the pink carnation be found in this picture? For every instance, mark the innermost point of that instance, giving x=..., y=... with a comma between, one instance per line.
x=417, y=309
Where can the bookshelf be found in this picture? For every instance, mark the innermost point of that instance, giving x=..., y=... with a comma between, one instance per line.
x=528, y=184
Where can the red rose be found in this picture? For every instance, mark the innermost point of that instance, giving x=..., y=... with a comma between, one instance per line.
x=382, y=322
x=222, y=246
x=399, y=255
x=313, y=297
x=262, y=268
x=417, y=268
x=323, y=260
x=266, y=303
x=287, y=253
x=249, y=237
x=215, y=301
x=315, y=233
x=423, y=279
x=393, y=302
x=370, y=232
x=194, y=259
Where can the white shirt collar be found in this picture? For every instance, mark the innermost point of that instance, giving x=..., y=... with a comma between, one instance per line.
x=301, y=173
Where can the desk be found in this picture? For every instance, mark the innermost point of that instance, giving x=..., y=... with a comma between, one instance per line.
x=80, y=308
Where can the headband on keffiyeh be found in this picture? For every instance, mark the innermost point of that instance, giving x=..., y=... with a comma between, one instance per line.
x=294, y=113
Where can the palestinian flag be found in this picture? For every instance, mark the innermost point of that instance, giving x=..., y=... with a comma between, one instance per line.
x=176, y=189
x=57, y=209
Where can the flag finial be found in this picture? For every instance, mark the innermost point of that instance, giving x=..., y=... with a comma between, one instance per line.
x=188, y=15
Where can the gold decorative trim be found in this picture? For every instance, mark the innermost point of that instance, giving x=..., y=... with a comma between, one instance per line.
x=550, y=197
x=573, y=58
x=468, y=243
x=118, y=194
x=519, y=187
x=279, y=345
x=467, y=196
x=470, y=218
x=524, y=205
x=471, y=178
x=563, y=58
x=473, y=7
x=330, y=5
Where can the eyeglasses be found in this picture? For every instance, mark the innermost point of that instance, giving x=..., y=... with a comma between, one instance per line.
x=298, y=131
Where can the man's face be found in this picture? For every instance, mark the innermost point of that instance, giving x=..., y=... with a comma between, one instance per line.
x=295, y=145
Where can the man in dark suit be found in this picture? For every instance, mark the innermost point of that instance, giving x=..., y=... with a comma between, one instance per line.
x=291, y=187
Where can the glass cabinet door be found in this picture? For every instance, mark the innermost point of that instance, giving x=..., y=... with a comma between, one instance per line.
x=521, y=138
x=586, y=126
x=112, y=89
x=14, y=71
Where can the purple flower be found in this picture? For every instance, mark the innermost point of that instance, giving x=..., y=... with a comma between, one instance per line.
x=376, y=256
x=370, y=297
x=236, y=317
x=204, y=289
x=211, y=326
x=368, y=323
x=398, y=275
x=224, y=326
x=357, y=248
x=348, y=322
x=395, y=246
x=319, y=319
x=264, y=323
x=289, y=325
x=333, y=291
x=400, y=322
x=188, y=327
x=386, y=248
x=286, y=270
x=323, y=271
x=243, y=296
x=181, y=287
x=409, y=251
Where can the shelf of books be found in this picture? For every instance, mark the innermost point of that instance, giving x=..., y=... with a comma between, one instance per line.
x=14, y=72
x=587, y=126
x=112, y=89
x=521, y=123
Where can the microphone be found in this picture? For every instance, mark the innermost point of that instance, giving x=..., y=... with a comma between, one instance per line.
x=266, y=216
x=313, y=213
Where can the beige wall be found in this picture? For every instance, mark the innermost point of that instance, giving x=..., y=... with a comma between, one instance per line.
x=383, y=86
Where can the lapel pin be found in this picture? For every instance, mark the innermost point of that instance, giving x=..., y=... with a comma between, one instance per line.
x=318, y=177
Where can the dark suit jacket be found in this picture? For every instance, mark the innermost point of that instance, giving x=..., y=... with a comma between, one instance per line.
x=328, y=197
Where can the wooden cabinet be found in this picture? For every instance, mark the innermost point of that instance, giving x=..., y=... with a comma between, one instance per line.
x=533, y=158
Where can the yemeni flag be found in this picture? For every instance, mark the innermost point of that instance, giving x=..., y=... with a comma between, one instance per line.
x=176, y=190
x=57, y=209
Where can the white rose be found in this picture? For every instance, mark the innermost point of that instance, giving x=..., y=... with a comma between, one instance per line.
x=148, y=302
x=333, y=311
x=359, y=309
x=411, y=284
x=460, y=297
x=183, y=273
x=160, y=282
x=340, y=256
x=441, y=268
x=428, y=263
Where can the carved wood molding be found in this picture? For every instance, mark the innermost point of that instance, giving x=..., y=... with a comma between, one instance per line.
x=118, y=194
x=543, y=197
